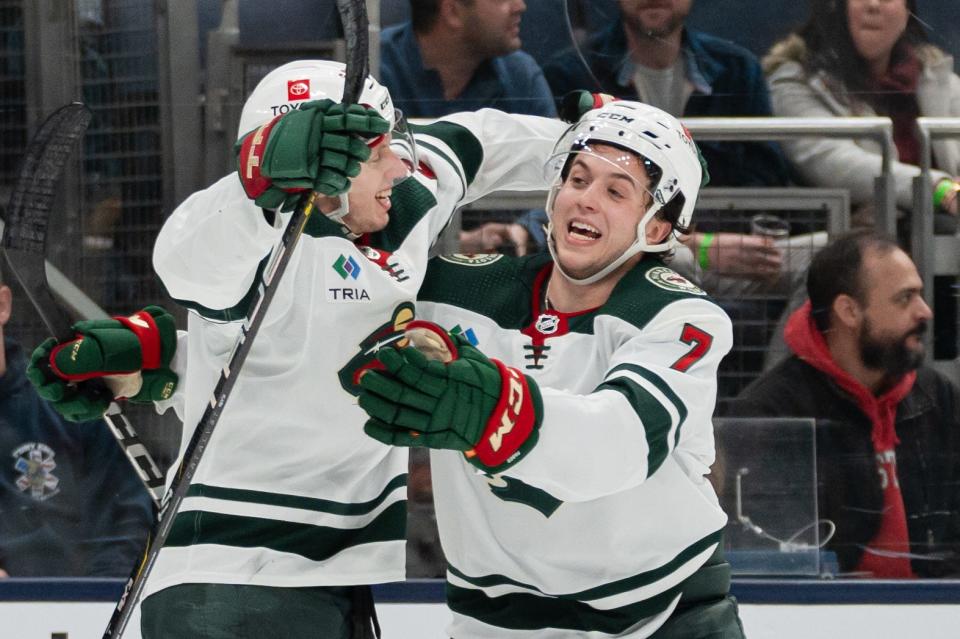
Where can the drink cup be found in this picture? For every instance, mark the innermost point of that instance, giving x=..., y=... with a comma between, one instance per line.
x=772, y=226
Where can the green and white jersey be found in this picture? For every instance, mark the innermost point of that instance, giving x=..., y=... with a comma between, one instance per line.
x=290, y=491
x=594, y=531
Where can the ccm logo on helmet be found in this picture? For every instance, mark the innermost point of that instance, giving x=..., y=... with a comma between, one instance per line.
x=298, y=89
x=615, y=116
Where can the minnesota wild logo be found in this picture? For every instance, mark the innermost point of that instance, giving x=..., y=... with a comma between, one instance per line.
x=670, y=280
x=471, y=259
x=388, y=334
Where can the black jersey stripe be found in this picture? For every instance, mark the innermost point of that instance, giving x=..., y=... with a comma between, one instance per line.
x=316, y=543
x=297, y=501
x=520, y=611
x=236, y=312
x=654, y=416
x=663, y=387
x=610, y=589
x=458, y=139
x=441, y=154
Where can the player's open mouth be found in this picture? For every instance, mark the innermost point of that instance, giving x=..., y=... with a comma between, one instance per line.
x=584, y=230
x=383, y=197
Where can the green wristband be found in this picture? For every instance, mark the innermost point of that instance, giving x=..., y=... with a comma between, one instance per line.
x=944, y=187
x=703, y=257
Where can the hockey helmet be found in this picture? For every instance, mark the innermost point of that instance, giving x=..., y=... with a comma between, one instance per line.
x=293, y=84
x=664, y=147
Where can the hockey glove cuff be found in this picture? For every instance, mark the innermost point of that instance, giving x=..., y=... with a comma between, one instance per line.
x=455, y=398
x=317, y=147
x=132, y=355
x=574, y=104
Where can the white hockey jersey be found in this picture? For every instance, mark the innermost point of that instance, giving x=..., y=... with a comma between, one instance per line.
x=290, y=491
x=594, y=531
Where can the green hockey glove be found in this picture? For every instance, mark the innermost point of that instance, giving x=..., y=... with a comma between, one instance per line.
x=131, y=354
x=465, y=401
x=317, y=147
x=574, y=104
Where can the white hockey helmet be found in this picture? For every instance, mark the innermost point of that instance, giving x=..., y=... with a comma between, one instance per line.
x=292, y=85
x=662, y=144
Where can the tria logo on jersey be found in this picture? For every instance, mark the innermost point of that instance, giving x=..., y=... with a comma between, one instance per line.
x=34, y=462
x=349, y=283
x=347, y=267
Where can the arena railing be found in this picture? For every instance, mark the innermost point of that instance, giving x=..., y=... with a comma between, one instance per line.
x=933, y=254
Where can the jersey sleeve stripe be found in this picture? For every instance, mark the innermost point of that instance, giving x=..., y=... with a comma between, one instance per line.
x=663, y=387
x=297, y=501
x=444, y=156
x=660, y=410
x=463, y=144
x=317, y=543
x=236, y=312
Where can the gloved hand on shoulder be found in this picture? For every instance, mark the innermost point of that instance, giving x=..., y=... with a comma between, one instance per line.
x=453, y=397
x=317, y=147
x=574, y=104
x=131, y=355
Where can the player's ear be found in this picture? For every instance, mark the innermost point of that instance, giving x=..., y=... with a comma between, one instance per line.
x=657, y=230
x=847, y=310
x=6, y=304
x=451, y=12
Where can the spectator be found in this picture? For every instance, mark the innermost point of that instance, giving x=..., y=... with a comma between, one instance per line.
x=863, y=58
x=70, y=504
x=651, y=56
x=462, y=55
x=888, y=429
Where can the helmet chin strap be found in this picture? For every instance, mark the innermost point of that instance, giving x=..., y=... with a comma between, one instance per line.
x=341, y=212
x=639, y=245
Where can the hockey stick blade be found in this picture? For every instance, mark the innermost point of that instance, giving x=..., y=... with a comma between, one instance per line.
x=28, y=212
x=353, y=14
x=24, y=245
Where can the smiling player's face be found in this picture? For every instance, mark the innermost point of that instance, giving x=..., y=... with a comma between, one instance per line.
x=598, y=208
x=370, y=190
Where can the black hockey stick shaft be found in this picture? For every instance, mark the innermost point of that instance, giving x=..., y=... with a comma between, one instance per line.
x=24, y=245
x=354, y=17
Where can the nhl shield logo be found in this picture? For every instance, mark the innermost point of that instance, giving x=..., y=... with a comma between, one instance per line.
x=547, y=324
x=35, y=463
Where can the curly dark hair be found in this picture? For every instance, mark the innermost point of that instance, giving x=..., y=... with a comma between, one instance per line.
x=830, y=46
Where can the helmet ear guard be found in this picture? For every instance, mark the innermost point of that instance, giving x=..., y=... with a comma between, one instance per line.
x=661, y=143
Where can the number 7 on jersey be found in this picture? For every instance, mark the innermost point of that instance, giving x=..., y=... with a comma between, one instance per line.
x=700, y=341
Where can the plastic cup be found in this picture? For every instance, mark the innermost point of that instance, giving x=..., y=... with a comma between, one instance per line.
x=772, y=226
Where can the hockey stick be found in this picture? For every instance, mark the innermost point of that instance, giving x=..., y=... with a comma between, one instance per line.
x=24, y=244
x=354, y=17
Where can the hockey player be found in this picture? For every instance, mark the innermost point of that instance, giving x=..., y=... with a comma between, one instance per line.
x=571, y=420
x=293, y=508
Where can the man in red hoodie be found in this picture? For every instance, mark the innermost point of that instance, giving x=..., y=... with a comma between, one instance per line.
x=888, y=428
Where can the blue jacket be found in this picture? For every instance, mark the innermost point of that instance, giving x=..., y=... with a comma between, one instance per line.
x=727, y=79
x=513, y=83
x=70, y=504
